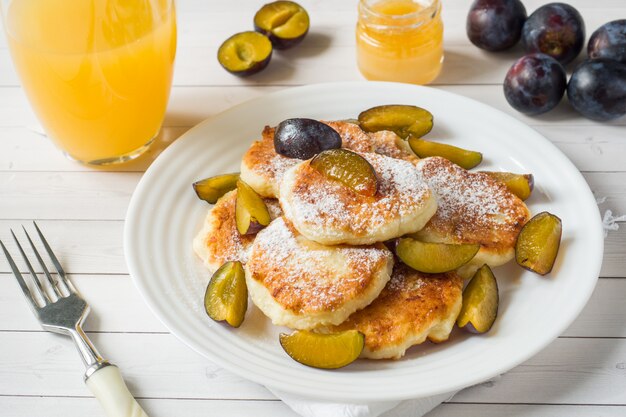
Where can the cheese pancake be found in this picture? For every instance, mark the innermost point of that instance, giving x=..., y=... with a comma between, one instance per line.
x=219, y=241
x=472, y=208
x=301, y=284
x=262, y=168
x=412, y=308
x=329, y=212
x=352, y=136
x=388, y=143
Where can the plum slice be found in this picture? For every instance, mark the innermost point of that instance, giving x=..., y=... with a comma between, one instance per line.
x=434, y=258
x=213, y=188
x=285, y=23
x=245, y=53
x=251, y=214
x=462, y=157
x=519, y=184
x=326, y=351
x=480, y=302
x=538, y=243
x=348, y=168
x=226, y=297
x=402, y=119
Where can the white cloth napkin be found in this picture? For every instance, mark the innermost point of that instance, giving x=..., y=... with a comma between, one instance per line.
x=318, y=408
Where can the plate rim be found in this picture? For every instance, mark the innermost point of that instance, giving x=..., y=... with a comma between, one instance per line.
x=286, y=386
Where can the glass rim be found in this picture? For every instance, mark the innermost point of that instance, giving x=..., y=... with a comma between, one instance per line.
x=430, y=11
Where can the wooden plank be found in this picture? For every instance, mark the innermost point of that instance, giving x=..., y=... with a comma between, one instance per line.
x=569, y=371
x=72, y=195
x=82, y=246
x=221, y=6
x=79, y=407
x=31, y=151
x=602, y=317
x=87, y=247
x=336, y=28
x=153, y=365
x=330, y=45
x=201, y=24
x=614, y=262
x=601, y=148
x=97, y=195
x=611, y=186
x=464, y=65
x=15, y=110
x=116, y=306
x=518, y=410
x=562, y=115
x=566, y=372
x=189, y=106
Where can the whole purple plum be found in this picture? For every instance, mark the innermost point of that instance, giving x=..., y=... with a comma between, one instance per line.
x=556, y=29
x=597, y=89
x=609, y=41
x=535, y=84
x=495, y=25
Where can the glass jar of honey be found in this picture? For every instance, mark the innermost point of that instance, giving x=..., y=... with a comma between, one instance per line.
x=400, y=40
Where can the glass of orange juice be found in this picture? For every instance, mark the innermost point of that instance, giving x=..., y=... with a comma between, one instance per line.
x=400, y=40
x=97, y=72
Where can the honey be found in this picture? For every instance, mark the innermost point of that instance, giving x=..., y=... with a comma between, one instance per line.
x=400, y=40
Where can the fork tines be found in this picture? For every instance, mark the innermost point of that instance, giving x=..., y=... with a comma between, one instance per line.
x=61, y=287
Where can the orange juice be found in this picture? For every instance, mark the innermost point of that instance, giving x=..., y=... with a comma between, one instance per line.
x=97, y=72
x=400, y=40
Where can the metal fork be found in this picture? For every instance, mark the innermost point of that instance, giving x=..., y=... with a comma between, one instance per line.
x=60, y=309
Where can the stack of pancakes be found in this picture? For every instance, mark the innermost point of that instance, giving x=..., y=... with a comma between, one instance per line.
x=321, y=264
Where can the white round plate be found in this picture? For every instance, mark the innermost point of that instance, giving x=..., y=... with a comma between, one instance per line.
x=165, y=214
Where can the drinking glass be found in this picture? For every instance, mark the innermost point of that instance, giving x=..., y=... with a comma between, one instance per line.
x=96, y=72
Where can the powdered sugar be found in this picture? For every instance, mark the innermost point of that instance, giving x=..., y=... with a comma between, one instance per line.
x=305, y=276
x=388, y=143
x=333, y=207
x=352, y=136
x=277, y=166
x=219, y=241
x=469, y=201
x=262, y=159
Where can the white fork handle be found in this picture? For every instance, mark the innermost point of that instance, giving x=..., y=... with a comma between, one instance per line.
x=109, y=388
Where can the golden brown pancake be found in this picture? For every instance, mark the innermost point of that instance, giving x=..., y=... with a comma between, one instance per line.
x=219, y=241
x=472, y=208
x=352, y=136
x=302, y=284
x=262, y=168
x=330, y=212
x=388, y=143
x=411, y=308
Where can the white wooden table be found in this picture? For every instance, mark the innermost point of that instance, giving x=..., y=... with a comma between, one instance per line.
x=583, y=373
